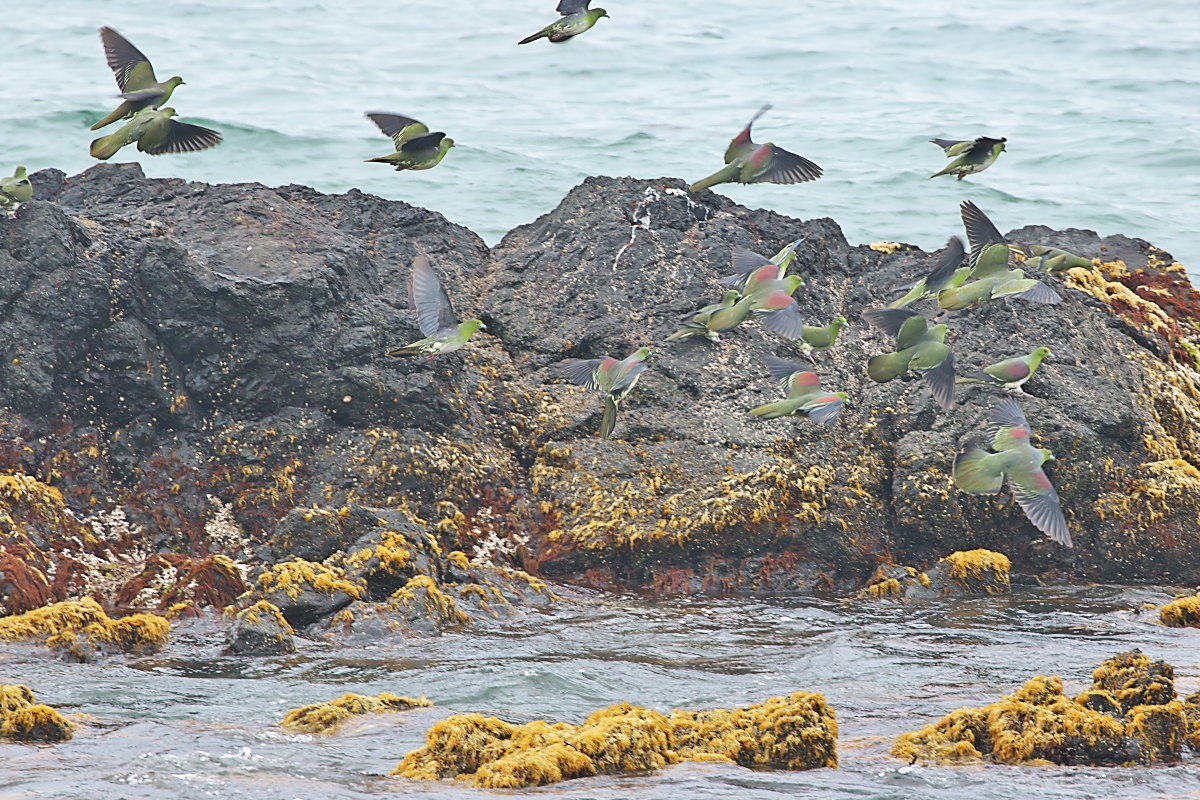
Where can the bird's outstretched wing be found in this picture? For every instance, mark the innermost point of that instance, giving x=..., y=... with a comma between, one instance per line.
x=435, y=314
x=130, y=66
x=183, y=137
x=581, y=371
x=787, y=167
x=572, y=6
x=397, y=126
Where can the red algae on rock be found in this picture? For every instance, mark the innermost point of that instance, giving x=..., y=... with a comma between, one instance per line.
x=798, y=731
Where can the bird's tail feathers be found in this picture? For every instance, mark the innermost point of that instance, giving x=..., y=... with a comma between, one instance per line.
x=883, y=368
x=724, y=175
x=973, y=472
x=774, y=410
x=106, y=147
x=534, y=37
x=110, y=119
x=609, y=420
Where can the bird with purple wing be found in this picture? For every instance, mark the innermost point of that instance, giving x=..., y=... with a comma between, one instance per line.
x=749, y=162
x=1020, y=463
x=416, y=146
x=435, y=315
x=919, y=347
x=577, y=18
x=805, y=395
x=135, y=78
x=1011, y=373
x=615, y=378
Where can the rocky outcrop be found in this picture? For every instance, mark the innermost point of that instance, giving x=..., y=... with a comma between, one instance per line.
x=193, y=388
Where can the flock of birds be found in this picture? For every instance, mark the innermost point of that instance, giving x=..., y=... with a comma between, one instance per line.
x=759, y=287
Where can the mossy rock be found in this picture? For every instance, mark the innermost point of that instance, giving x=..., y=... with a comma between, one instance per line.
x=82, y=630
x=1181, y=613
x=323, y=717
x=260, y=630
x=23, y=719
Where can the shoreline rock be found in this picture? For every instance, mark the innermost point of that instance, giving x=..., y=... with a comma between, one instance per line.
x=194, y=389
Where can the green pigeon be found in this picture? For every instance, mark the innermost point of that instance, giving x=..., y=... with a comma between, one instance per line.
x=805, y=395
x=746, y=262
x=615, y=378
x=1015, y=459
x=1011, y=373
x=749, y=162
x=156, y=133
x=435, y=316
x=1051, y=259
x=576, y=19
x=948, y=272
x=15, y=190
x=918, y=347
x=970, y=156
x=716, y=318
x=819, y=338
x=135, y=78
x=771, y=298
x=992, y=276
x=416, y=147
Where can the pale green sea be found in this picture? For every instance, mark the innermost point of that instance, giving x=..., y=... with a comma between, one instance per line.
x=1100, y=101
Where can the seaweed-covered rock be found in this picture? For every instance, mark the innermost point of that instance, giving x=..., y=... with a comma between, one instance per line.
x=1181, y=613
x=1129, y=716
x=968, y=572
x=260, y=630
x=794, y=732
x=82, y=630
x=24, y=719
x=323, y=717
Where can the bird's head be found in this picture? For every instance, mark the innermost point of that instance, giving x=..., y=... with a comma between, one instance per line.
x=1043, y=352
x=792, y=282
x=167, y=112
x=599, y=12
x=470, y=326
x=175, y=81
x=20, y=173
x=1047, y=455
x=839, y=322
x=447, y=143
x=641, y=354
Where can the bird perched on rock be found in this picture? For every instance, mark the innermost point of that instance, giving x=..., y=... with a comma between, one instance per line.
x=749, y=162
x=1017, y=460
x=577, y=18
x=435, y=315
x=819, y=338
x=156, y=133
x=991, y=277
x=1051, y=259
x=135, y=78
x=948, y=272
x=1011, y=373
x=615, y=378
x=15, y=190
x=918, y=347
x=746, y=262
x=805, y=395
x=716, y=318
x=416, y=147
x=970, y=156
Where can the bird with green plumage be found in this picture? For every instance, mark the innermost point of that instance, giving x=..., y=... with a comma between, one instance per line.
x=804, y=394
x=948, y=272
x=416, y=147
x=1018, y=462
x=435, y=315
x=577, y=18
x=1051, y=259
x=746, y=262
x=991, y=276
x=614, y=378
x=156, y=132
x=749, y=162
x=15, y=190
x=1011, y=373
x=714, y=319
x=970, y=156
x=135, y=78
x=819, y=338
x=771, y=300
x=919, y=347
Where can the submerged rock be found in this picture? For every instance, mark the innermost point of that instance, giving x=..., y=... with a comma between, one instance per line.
x=323, y=717
x=196, y=373
x=795, y=732
x=1128, y=716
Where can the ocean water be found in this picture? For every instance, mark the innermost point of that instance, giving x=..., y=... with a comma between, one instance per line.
x=1100, y=102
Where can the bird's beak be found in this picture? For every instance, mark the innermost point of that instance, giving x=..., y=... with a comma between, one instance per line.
x=483, y=326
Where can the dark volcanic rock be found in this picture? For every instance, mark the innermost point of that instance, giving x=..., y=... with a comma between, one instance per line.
x=208, y=361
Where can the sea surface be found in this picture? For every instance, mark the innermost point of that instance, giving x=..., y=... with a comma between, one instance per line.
x=1099, y=100
x=191, y=723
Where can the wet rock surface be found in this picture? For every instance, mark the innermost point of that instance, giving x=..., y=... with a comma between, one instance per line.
x=198, y=371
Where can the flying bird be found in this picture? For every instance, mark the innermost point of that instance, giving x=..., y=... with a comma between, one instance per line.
x=615, y=378
x=15, y=190
x=1015, y=459
x=970, y=156
x=1011, y=373
x=918, y=347
x=805, y=395
x=948, y=272
x=416, y=147
x=749, y=162
x=746, y=262
x=577, y=18
x=714, y=319
x=435, y=315
x=156, y=133
x=991, y=276
x=135, y=78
